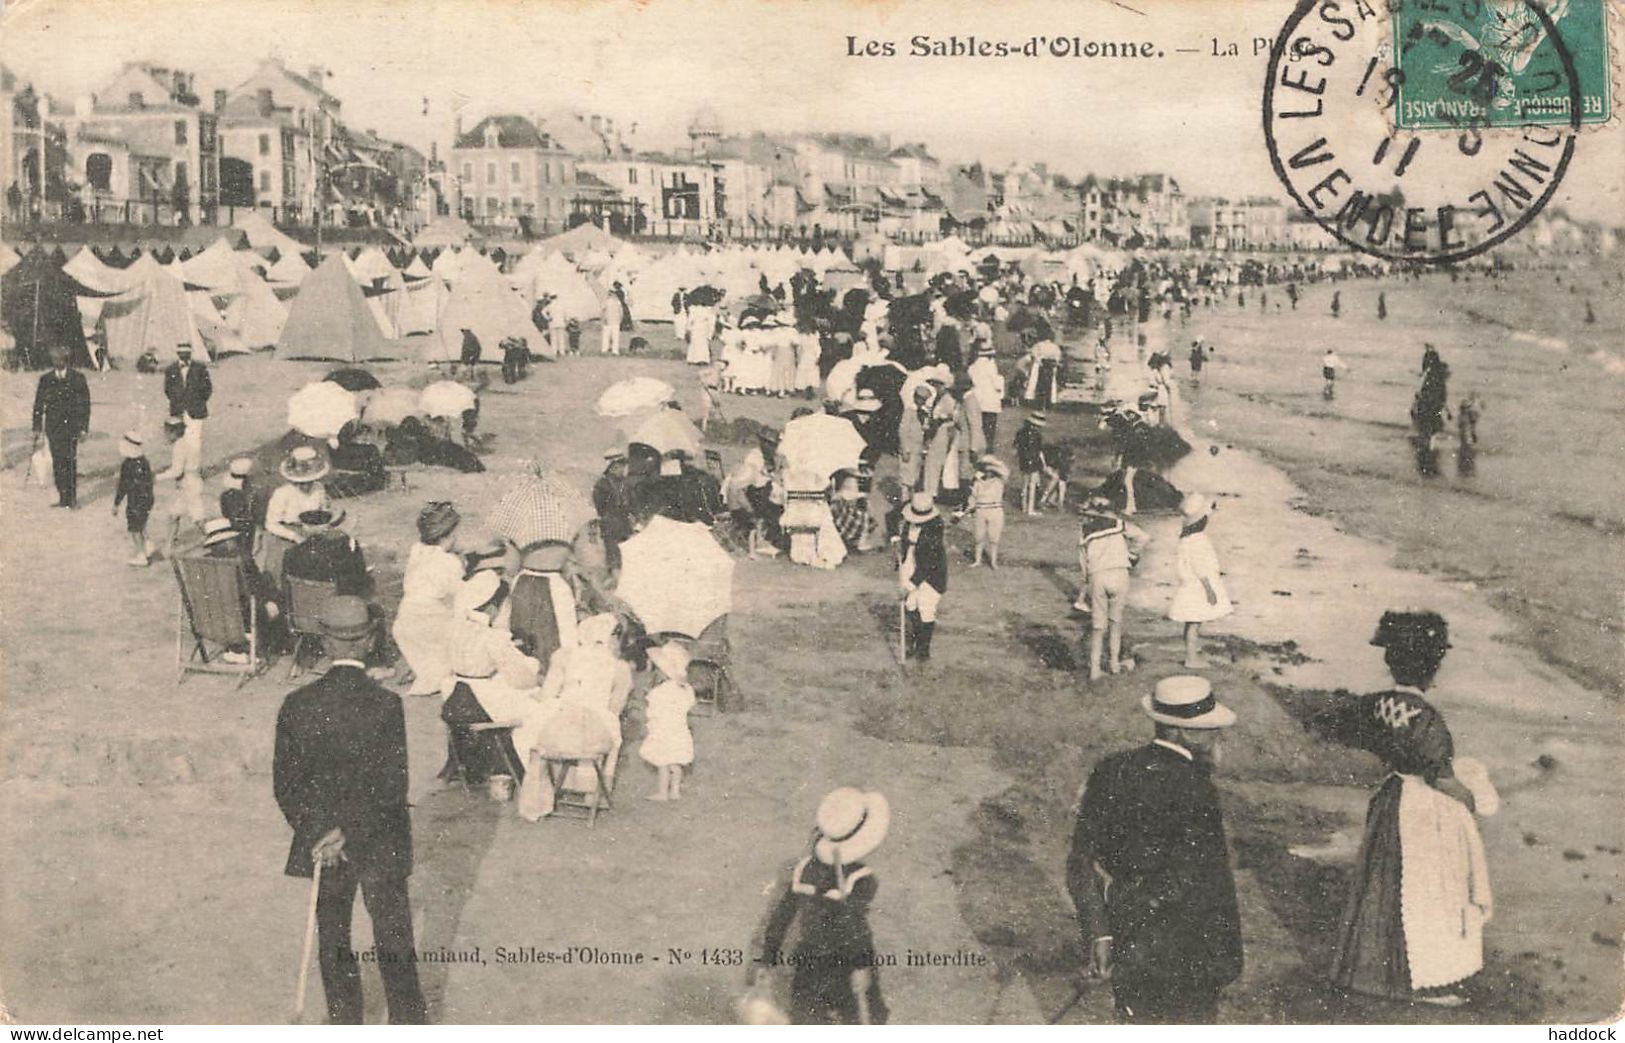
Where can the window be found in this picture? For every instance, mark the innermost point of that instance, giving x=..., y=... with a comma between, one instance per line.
x=490, y=173
x=136, y=100
x=516, y=205
x=180, y=132
x=547, y=172
x=99, y=171
x=565, y=174
x=631, y=175
x=468, y=172
x=492, y=207
x=513, y=172
x=265, y=181
x=265, y=144
x=547, y=206
x=180, y=175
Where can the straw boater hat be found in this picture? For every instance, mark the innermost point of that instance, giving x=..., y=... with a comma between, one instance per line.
x=672, y=660
x=474, y=593
x=129, y=446
x=851, y=824
x=437, y=520
x=1195, y=506
x=1186, y=701
x=218, y=530
x=242, y=467
x=921, y=508
x=992, y=463
x=1038, y=419
x=346, y=617
x=304, y=464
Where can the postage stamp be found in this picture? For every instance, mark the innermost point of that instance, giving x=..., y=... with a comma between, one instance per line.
x=1490, y=161
x=1496, y=63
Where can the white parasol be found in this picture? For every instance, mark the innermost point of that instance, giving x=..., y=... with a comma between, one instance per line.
x=666, y=431
x=634, y=395
x=320, y=409
x=675, y=577
x=447, y=398
x=820, y=444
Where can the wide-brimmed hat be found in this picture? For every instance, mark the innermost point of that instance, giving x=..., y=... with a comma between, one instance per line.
x=475, y=592
x=1186, y=701
x=994, y=464
x=851, y=824
x=672, y=660
x=1411, y=626
x=1038, y=419
x=346, y=617
x=437, y=520
x=241, y=467
x=305, y=464
x=183, y=347
x=921, y=508
x=130, y=444
x=320, y=519
x=1195, y=506
x=218, y=530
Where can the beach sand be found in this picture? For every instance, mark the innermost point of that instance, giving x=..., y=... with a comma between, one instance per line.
x=142, y=851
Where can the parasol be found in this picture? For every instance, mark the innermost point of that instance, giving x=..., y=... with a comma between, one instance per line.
x=446, y=398
x=320, y=409
x=668, y=431
x=820, y=445
x=389, y=407
x=675, y=577
x=540, y=507
x=352, y=379
x=634, y=395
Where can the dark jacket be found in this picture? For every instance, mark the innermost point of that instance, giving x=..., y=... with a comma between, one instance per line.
x=1150, y=817
x=330, y=558
x=930, y=553
x=341, y=762
x=62, y=404
x=188, y=389
x=134, y=485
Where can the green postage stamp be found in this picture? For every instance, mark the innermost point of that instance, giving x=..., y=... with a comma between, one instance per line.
x=1501, y=63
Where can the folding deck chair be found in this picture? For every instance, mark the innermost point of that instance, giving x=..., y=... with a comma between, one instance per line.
x=215, y=612
x=304, y=603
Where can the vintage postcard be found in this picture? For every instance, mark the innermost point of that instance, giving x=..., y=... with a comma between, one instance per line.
x=742, y=511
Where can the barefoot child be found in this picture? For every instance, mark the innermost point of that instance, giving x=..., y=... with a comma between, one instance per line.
x=1030, y=458
x=987, y=498
x=1201, y=597
x=669, y=746
x=135, y=491
x=1108, y=547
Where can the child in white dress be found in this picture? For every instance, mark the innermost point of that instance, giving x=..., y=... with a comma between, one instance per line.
x=1201, y=597
x=669, y=746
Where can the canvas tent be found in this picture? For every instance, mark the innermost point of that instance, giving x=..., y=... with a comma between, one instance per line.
x=153, y=315
x=383, y=286
x=39, y=304
x=573, y=296
x=445, y=231
x=263, y=235
x=482, y=301
x=580, y=241
x=329, y=319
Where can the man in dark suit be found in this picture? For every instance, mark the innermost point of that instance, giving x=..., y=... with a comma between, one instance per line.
x=62, y=415
x=188, y=387
x=1150, y=871
x=340, y=778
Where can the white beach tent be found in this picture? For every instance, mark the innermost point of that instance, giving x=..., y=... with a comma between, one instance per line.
x=421, y=298
x=444, y=231
x=329, y=319
x=383, y=286
x=151, y=314
x=481, y=300
x=573, y=295
x=263, y=235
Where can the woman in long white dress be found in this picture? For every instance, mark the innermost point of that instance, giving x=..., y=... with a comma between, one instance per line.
x=434, y=574
x=484, y=657
x=702, y=325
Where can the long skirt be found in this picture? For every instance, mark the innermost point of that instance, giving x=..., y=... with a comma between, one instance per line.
x=421, y=633
x=542, y=608
x=1370, y=956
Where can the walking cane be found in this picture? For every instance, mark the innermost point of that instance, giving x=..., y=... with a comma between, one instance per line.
x=1073, y=1002
x=310, y=941
x=902, y=631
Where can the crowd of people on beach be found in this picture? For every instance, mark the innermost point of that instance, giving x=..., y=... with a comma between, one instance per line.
x=541, y=667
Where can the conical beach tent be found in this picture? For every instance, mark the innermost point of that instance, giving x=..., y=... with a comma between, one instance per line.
x=153, y=315
x=481, y=300
x=329, y=319
x=39, y=303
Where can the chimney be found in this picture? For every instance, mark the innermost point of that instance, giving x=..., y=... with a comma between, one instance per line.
x=456, y=129
x=220, y=101
x=266, y=106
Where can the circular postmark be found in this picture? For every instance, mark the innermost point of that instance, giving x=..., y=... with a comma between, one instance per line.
x=1421, y=130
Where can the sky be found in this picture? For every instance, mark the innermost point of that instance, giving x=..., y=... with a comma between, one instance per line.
x=773, y=65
